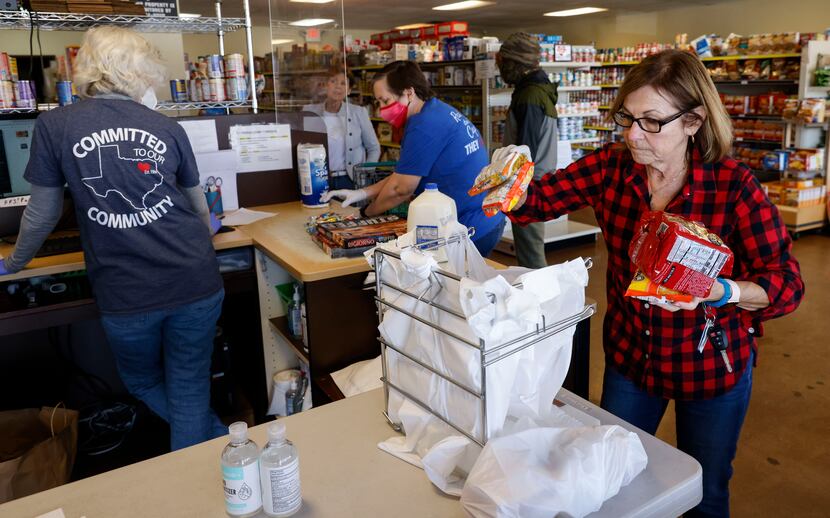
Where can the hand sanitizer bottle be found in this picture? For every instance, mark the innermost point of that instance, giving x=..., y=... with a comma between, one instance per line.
x=240, y=473
x=280, y=473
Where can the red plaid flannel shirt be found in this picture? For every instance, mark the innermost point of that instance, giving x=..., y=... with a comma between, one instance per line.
x=655, y=348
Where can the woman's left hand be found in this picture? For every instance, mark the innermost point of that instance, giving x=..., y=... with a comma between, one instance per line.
x=715, y=294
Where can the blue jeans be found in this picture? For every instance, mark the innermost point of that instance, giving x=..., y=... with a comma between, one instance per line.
x=486, y=243
x=707, y=429
x=163, y=357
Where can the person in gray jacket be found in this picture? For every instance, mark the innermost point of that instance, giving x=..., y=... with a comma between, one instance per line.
x=351, y=137
x=531, y=122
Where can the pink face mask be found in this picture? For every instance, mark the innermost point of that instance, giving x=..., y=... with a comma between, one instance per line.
x=394, y=114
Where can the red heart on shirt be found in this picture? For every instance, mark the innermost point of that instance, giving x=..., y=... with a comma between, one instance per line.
x=144, y=167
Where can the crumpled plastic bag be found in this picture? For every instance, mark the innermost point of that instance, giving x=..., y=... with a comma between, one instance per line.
x=545, y=472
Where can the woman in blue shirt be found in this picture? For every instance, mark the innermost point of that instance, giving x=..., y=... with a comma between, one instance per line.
x=439, y=145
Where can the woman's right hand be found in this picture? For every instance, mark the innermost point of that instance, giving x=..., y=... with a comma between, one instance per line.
x=348, y=196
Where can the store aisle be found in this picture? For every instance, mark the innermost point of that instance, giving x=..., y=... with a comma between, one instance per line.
x=783, y=461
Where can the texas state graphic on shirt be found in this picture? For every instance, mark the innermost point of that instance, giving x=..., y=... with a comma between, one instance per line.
x=123, y=164
x=131, y=178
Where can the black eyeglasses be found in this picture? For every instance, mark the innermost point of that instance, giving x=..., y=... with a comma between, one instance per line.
x=647, y=124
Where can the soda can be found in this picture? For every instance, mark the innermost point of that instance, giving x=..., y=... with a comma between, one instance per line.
x=6, y=94
x=25, y=94
x=234, y=65
x=217, y=89
x=64, y=93
x=195, y=90
x=5, y=69
x=215, y=66
x=178, y=90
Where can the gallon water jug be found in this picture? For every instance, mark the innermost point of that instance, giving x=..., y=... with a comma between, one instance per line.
x=431, y=215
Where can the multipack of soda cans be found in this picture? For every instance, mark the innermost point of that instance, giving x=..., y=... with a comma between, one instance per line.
x=14, y=93
x=213, y=78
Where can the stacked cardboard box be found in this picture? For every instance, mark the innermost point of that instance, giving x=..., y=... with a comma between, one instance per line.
x=351, y=238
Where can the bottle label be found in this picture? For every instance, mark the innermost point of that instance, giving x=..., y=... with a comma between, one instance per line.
x=242, y=489
x=425, y=234
x=281, y=488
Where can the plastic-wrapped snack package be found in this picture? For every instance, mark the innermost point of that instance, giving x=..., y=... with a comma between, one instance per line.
x=505, y=163
x=641, y=287
x=679, y=254
x=505, y=197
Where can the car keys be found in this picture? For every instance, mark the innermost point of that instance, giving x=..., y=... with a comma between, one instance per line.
x=710, y=321
x=720, y=343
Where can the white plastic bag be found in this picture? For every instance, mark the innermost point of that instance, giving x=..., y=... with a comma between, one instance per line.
x=546, y=472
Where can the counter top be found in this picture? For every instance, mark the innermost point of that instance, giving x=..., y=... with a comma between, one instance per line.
x=284, y=239
x=343, y=473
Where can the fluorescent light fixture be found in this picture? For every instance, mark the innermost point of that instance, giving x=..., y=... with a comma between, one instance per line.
x=458, y=6
x=311, y=22
x=282, y=41
x=577, y=12
x=187, y=16
x=312, y=1
x=413, y=26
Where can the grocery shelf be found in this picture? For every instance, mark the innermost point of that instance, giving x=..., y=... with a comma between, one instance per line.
x=586, y=147
x=82, y=22
x=456, y=87
x=376, y=119
x=569, y=64
x=577, y=88
x=390, y=144
x=298, y=72
x=770, y=118
x=604, y=107
x=11, y=111
x=619, y=64
x=610, y=86
x=171, y=106
x=582, y=140
x=598, y=128
x=591, y=114
x=753, y=56
x=420, y=64
x=758, y=141
x=759, y=82
x=496, y=91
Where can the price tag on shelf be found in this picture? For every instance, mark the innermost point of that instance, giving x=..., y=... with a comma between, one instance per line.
x=485, y=69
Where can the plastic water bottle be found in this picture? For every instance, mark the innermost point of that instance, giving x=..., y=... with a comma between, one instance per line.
x=240, y=473
x=279, y=467
x=430, y=215
x=295, y=323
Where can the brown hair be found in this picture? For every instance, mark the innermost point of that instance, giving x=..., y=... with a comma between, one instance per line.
x=683, y=79
x=401, y=75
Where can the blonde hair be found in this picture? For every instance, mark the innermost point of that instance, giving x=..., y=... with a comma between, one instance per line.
x=115, y=60
x=683, y=79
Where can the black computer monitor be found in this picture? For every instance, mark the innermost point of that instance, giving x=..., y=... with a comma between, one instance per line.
x=16, y=137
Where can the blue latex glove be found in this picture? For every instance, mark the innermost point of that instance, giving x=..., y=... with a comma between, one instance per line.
x=215, y=224
x=3, y=270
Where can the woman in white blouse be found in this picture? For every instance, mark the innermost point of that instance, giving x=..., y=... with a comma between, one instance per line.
x=351, y=137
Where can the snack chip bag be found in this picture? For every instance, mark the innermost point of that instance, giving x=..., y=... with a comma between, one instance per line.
x=505, y=197
x=643, y=288
x=679, y=254
x=506, y=163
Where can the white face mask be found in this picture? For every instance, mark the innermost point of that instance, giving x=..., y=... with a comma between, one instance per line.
x=149, y=99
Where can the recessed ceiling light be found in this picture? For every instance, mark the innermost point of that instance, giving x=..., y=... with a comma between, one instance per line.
x=413, y=26
x=312, y=1
x=458, y=6
x=311, y=22
x=186, y=16
x=577, y=12
x=281, y=41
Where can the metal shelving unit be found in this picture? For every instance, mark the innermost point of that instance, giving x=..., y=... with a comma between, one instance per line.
x=22, y=20
x=82, y=22
x=171, y=106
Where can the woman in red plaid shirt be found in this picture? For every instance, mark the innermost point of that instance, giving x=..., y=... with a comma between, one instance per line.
x=677, y=136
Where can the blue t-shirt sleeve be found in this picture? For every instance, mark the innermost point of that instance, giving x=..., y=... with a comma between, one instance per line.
x=44, y=166
x=188, y=173
x=419, y=153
